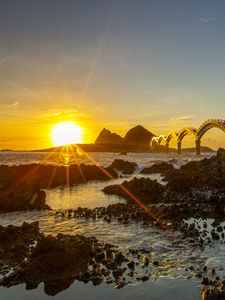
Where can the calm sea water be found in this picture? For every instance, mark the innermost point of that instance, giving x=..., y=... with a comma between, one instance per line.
x=166, y=247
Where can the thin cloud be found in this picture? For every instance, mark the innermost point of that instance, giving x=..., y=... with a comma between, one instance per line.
x=206, y=19
x=183, y=118
x=15, y=104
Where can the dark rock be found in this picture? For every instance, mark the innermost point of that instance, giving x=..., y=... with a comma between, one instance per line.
x=145, y=278
x=131, y=265
x=205, y=280
x=155, y=262
x=161, y=167
x=180, y=183
x=143, y=189
x=106, y=137
x=37, y=176
x=126, y=167
x=100, y=257
x=138, y=136
x=119, y=284
x=119, y=258
x=22, y=199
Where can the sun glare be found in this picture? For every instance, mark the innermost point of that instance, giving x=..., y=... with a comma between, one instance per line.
x=66, y=133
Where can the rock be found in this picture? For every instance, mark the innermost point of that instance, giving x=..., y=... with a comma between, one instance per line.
x=106, y=137
x=213, y=294
x=39, y=175
x=161, y=167
x=144, y=189
x=131, y=265
x=215, y=235
x=22, y=199
x=138, y=136
x=99, y=257
x=119, y=284
x=55, y=259
x=180, y=183
x=126, y=167
x=205, y=280
x=155, y=262
x=119, y=258
x=145, y=278
x=145, y=260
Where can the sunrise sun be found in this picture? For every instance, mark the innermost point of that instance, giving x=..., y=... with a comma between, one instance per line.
x=66, y=133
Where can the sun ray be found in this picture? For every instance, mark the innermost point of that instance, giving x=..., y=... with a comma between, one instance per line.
x=147, y=209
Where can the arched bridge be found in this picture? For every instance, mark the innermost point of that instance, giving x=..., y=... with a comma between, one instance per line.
x=196, y=133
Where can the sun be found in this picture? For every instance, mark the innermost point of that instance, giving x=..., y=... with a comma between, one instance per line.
x=66, y=133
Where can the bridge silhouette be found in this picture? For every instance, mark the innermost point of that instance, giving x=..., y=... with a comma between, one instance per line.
x=196, y=133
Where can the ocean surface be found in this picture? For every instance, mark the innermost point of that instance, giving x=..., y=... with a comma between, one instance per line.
x=176, y=256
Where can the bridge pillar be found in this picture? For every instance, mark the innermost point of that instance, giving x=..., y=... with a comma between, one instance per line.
x=198, y=147
x=178, y=147
x=167, y=148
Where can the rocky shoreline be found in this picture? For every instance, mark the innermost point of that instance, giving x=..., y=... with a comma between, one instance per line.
x=196, y=190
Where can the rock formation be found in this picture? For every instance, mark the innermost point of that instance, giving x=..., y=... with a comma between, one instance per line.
x=138, y=136
x=107, y=137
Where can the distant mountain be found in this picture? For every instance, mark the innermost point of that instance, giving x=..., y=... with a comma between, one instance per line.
x=137, y=135
x=107, y=137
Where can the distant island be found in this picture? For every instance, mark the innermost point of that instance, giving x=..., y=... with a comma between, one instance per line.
x=137, y=139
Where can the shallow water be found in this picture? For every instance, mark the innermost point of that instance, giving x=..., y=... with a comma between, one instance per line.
x=168, y=289
x=104, y=159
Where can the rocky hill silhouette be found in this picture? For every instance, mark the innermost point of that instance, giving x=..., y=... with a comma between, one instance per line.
x=137, y=135
x=107, y=137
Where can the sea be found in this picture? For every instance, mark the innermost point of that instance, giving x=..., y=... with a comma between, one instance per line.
x=171, y=280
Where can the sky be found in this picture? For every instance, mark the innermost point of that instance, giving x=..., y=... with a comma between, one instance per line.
x=110, y=63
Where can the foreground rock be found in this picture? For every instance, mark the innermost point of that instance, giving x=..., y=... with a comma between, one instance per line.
x=216, y=291
x=123, y=213
x=161, y=167
x=138, y=189
x=42, y=176
x=175, y=201
x=58, y=261
x=205, y=174
x=16, y=243
x=126, y=167
x=22, y=198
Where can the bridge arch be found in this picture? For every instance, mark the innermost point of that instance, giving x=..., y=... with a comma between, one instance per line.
x=196, y=133
x=161, y=138
x=209, y=124
x=186, y=131
x=170, y=136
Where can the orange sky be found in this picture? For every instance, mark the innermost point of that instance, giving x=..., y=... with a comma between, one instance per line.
x=158, y=65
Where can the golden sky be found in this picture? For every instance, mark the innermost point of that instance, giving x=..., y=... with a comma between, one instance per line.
x=113, y=64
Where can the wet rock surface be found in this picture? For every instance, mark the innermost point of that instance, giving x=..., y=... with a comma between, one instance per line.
x=161, y=167
x=46, y=176
x=126, y=167
x=197, y=189
x=205, y=174
x=144, y=189
x=58, y=261
x=22, y=198
x=16, y=243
